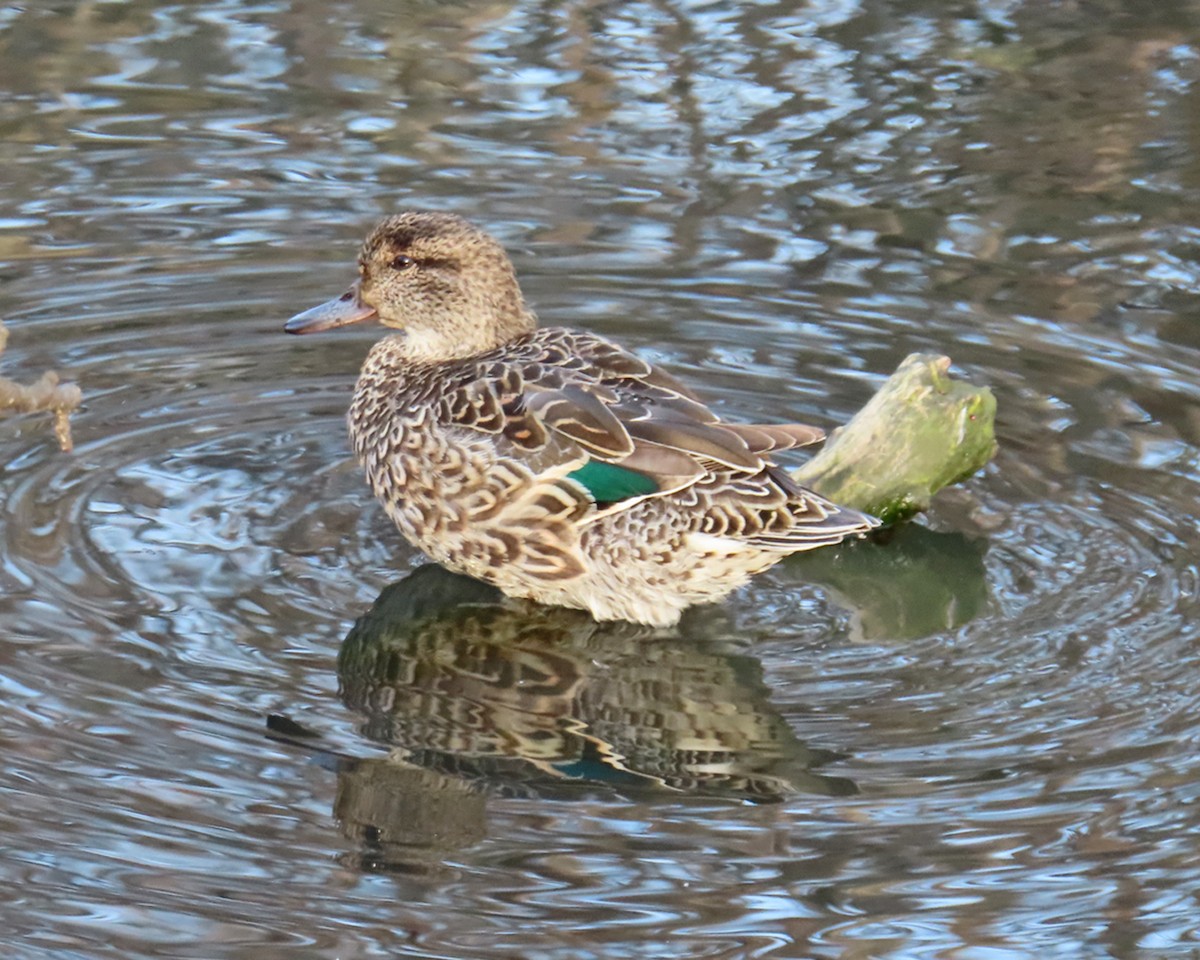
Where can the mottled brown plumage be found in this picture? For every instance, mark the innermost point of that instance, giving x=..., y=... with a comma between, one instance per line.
x=551, y=462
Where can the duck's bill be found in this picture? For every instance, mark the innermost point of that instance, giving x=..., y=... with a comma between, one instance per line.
x=348, y=308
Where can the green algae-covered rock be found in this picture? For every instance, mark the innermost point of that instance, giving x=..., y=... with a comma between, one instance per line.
x=923, y=430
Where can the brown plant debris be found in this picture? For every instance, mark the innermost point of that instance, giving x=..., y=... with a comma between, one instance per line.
x=45, y=394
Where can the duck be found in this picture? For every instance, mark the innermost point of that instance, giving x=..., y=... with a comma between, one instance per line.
x=550, y=462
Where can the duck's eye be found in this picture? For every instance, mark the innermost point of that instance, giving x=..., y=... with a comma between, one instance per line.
x=402, y=262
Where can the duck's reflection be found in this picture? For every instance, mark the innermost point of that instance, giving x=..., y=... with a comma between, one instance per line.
x=475, y=694
x=544, y=700
x=403, y=816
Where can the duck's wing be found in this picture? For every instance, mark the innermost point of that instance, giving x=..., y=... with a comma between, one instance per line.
x=585, y=409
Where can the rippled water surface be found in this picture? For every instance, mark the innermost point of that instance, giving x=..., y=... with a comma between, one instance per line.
x=237, y=722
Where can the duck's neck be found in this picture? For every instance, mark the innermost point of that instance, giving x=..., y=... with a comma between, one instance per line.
x=388, y=394
x=445, y=344
x=392, y=366
x=461, y=322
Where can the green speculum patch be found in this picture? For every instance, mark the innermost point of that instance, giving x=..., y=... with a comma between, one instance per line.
x=609, y=483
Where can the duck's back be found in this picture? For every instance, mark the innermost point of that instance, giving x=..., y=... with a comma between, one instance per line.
x=562, y=467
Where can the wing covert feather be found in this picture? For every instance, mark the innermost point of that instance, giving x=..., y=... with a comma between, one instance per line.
x=565, y=399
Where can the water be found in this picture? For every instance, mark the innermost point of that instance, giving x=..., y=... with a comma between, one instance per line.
x=233, y=725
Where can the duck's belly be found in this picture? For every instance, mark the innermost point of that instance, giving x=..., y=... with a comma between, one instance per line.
x=539, y=538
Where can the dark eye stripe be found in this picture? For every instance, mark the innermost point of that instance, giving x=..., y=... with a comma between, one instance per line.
x=403, y=261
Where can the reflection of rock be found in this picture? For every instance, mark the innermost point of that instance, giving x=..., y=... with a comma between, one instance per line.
x=922, y=582
x=501, y=692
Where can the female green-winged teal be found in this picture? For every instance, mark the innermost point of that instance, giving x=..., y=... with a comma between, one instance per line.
x=552, y=463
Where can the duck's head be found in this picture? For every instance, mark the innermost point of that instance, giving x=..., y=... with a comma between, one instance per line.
x=444, y=282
